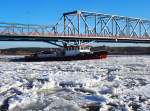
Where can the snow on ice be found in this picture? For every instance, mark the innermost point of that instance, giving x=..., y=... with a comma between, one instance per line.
x=118, y=83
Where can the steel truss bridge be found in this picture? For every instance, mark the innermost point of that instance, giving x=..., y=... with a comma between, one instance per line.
x=80, y=26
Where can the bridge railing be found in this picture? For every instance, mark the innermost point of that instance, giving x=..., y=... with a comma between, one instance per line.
x=24, y=29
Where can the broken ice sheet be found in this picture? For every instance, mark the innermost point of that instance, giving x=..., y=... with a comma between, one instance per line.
x=88, y=83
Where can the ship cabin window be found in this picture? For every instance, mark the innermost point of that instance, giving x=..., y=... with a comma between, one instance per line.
x=78, y=48
x=84, y=47
x=71, y=48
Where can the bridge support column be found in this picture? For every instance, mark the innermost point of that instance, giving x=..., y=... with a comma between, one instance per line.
x=64, y=24
x=78, y=23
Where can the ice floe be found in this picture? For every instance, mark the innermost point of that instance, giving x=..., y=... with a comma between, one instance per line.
x=118, y=83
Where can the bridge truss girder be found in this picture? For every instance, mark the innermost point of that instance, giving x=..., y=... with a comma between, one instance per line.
x=97, y=24
x=79, y=27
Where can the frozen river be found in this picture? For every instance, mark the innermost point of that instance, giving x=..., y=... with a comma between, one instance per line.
x=118, y=83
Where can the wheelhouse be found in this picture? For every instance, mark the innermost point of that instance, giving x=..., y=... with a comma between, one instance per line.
x=75, y=50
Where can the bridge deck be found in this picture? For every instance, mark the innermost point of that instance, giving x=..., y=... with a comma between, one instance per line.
x=73, y=38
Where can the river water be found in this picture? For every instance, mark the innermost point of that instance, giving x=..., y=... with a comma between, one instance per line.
x=118, y=83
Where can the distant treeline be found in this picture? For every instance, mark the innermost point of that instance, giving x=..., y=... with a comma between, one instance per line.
x=111, y=50
x=125, y=50
x=24, y=51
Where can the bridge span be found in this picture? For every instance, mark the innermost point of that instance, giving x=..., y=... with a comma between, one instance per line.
x=81, y=26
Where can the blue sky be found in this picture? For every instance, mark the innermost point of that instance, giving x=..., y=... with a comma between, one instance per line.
x=49, y=11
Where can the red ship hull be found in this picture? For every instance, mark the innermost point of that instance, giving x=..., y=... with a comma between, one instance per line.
x=95, y=55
